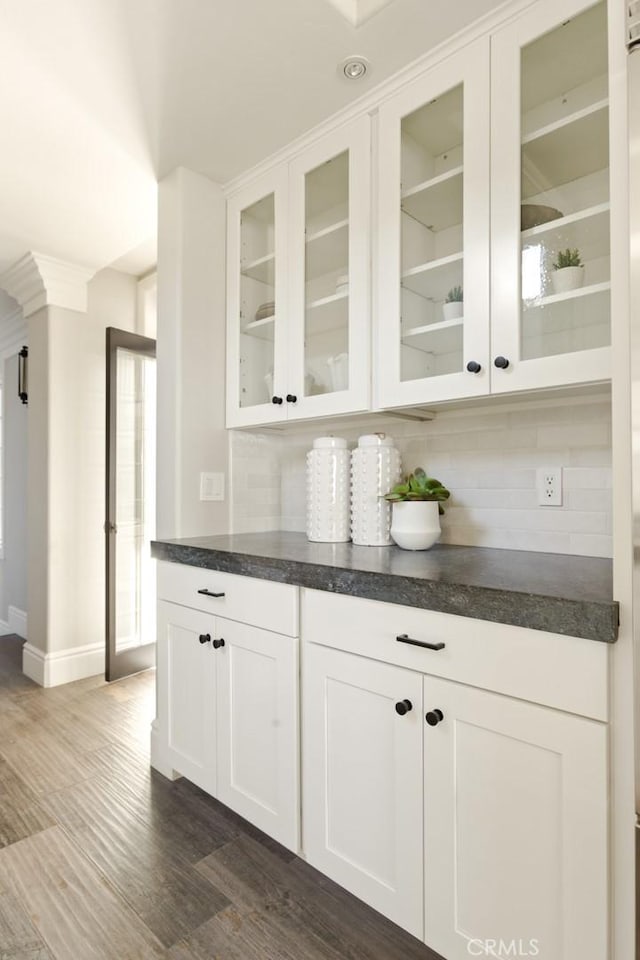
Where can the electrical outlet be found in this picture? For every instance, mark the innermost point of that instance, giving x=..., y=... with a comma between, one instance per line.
x=549, y=483
x=212, y=486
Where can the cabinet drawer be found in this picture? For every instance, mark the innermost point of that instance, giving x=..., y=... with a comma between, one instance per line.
x=262, y=603
x=568, y=673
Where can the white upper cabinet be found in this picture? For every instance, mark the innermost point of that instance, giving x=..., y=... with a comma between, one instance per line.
x=329, y=363
x=298, y=285
x=550, y=197
x=433, y=234
x=257, y=300
x=490, y=236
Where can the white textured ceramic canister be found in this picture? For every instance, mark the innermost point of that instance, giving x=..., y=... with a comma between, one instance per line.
x=375, y=469
x=328, y=507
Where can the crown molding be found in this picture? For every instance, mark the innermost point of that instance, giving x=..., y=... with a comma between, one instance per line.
x=37, y=281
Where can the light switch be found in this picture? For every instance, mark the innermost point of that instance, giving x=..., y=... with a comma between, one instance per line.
x=212, y=486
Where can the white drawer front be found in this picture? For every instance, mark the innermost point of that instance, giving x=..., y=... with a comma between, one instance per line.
x=262, y=603
x=568, y=673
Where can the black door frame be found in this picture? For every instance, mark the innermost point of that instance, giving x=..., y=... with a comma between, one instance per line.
x=122, y=664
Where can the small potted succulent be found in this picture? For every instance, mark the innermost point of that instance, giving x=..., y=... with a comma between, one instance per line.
x=453, y=305
x=568, y=271
x=417, y=506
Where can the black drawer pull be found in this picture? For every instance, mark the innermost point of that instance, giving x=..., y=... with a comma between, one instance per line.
x=207, y=593
x=403, y=638
x=218, y=643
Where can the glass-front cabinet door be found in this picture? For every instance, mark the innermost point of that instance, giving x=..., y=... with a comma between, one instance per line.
x=257, y=302
x=551, y=315
x=329, y=307
x=433, y=235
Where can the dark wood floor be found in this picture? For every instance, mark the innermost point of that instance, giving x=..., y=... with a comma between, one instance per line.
x=101, y=858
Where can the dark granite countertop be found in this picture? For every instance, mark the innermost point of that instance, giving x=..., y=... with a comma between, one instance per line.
x=543, y=591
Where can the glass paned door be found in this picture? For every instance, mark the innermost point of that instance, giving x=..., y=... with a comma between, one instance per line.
x=432, y=257
x=565, y=270
x=433, y=238
x=257, y=317
x=130, y=523
x=326, y=335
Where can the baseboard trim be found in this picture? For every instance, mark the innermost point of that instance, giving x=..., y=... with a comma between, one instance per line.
x=62, y=666
x=18, y=622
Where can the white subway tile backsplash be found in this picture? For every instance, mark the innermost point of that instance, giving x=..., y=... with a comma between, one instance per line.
x=487, y=459
x=574, y=435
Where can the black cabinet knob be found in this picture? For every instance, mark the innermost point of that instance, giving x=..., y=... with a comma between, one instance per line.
x=204, y=637
x=501, y=362
x=291, y=398
x=433, y=717
x=403, y=706
x=473, y=366
x=276, y=400
x=218, y=643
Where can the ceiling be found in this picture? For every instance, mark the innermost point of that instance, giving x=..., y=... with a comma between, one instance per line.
x=101, y=98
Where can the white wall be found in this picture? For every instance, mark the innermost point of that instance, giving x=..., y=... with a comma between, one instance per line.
x=488, y=459
x=15, y=441
x=191, y=353
x=67, y=439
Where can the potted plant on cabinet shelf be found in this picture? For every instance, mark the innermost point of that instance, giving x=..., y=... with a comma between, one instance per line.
x=417, y=506
x=453, y=305
x=568, y=271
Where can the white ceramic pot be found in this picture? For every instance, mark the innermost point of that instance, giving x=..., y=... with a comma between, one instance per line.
x=453, y=311
x=415, y=524
x=567, y=278
x=328, y=506
x=375, y=469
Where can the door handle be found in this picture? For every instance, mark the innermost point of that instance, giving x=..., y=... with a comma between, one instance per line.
x=403, y=638
x=208, y=593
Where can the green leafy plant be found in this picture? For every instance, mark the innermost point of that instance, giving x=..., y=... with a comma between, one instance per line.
x=418, y=486
x=567, y=258
x=454, y=295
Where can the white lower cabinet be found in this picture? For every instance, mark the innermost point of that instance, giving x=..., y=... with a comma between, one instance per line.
x=476, y=820
x=515, y=815
x=471, y=819
x=362, y=764
x=258, y=742
x=228, y=714
x=187, y=692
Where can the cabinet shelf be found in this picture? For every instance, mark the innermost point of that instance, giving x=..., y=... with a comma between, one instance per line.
x=575, y=117
x=588, y=291
x=587, y=230
x=328, y=250
x=438, y=338
x=263, y=329
x=566, y=150
x=574, y=225
x=434, y=279
x=263, y=269
x=437, y=202
x=327, y=314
